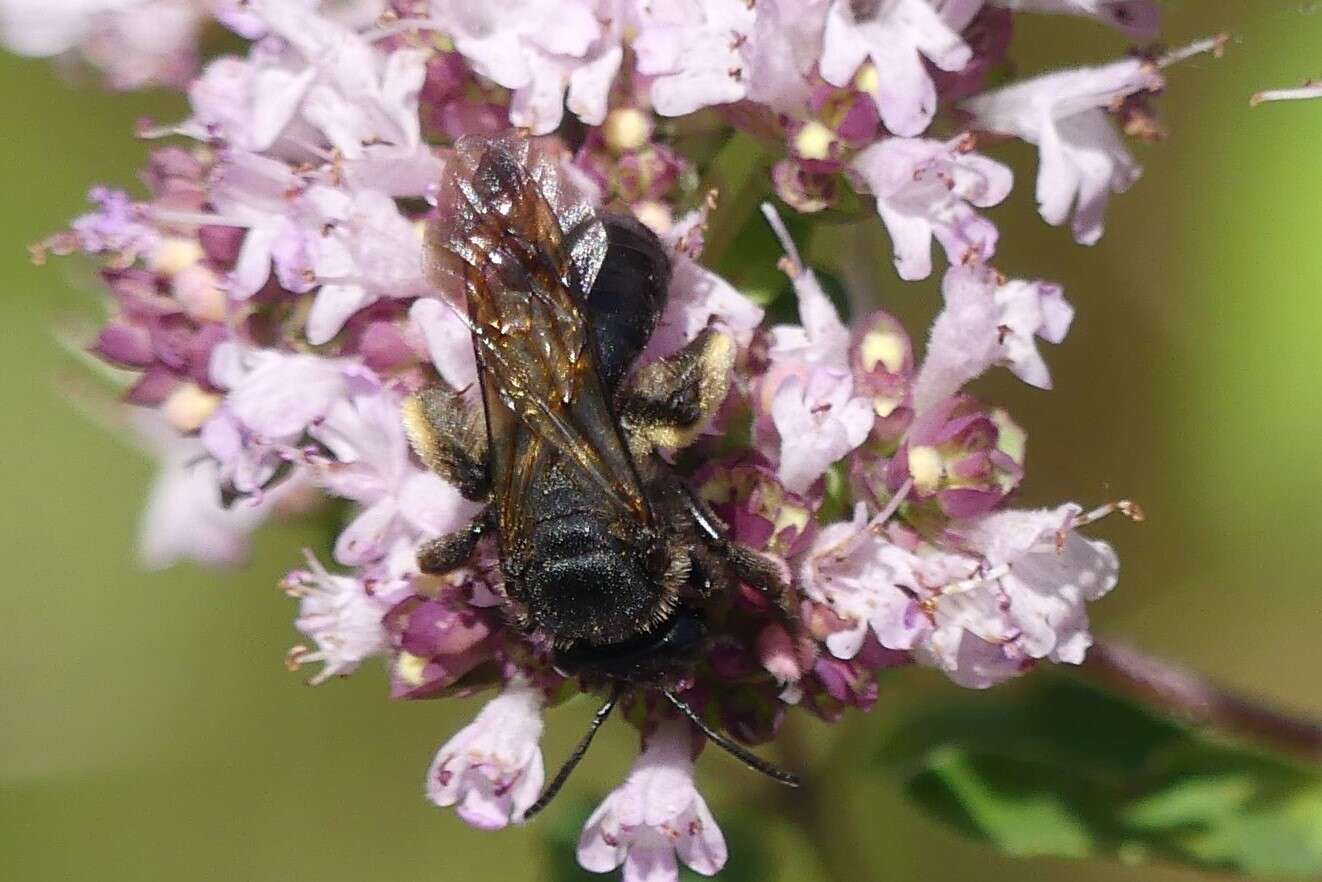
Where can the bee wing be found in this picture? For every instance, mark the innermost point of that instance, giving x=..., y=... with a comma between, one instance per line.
x=522, y=249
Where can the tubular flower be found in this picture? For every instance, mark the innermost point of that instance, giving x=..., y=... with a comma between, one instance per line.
x=654, y=817
x=492, y=769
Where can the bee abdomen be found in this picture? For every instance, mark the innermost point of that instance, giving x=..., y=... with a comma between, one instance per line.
x=627, y=296
x=584, y=585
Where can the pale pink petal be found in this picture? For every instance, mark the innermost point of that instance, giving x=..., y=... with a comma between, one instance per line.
x=449, y=342
x=432, y=506
x=651, y=862
x=285, y=393
x=332, y=308
x=365, y=539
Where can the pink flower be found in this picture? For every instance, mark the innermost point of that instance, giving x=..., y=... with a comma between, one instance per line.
x=184, y=518
x=925, y=188
x=248, y=103
x=818, y=422
x=698, y=297
x=258, y=193
x=276, y=395
x=783, y=50
x=808, y=389
x=694, y=50
x=273, y=397
x=364, y=250
x=965, y=459
x=1081, y=158
x=653, y=816
x=542, y=50
x=1139, y=19
x=759, y=510
x=1052, y=571
x=986, y=322
x=1025, y=602
x=449, y=342
x=881, y=358
x=438, y=641
x=866, y=581
x=341, y=615
x=896, y=36
x=370, y=464
x=322, y=83
x=237, y=15
x=117, y=225
x=134, y=43
x=492, y=769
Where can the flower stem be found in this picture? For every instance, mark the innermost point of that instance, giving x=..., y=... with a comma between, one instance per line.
x=1180, y=693
x=741, y=175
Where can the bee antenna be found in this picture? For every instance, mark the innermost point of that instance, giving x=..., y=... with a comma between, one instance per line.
x=574, y=758
x=745, y=756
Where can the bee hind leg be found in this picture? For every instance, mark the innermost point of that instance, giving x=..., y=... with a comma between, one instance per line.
x=450, y=436
x=669, y=401
x=761, y=572
x=723, y=562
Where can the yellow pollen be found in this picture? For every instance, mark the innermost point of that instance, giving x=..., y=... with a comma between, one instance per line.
x=884, y=348
x=868, y=80
x=189, y=406
x=925, y=467
x=409, y=668
x=198, y=291
x=884, y=407
x=626, y=129
x=174, y=255
x=791, y=516
x=814, y=141
x=1011, y=438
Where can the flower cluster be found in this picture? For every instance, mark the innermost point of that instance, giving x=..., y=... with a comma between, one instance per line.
x=267, y=298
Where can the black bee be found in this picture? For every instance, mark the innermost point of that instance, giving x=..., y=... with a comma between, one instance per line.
x=603, y=549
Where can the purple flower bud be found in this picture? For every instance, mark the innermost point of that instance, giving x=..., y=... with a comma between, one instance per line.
x=126, y=345
x=437, y=642
x=221, y=244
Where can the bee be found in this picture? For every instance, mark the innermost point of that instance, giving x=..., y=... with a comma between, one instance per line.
x=603, y=549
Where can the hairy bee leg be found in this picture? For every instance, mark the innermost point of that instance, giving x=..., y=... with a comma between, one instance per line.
x=669, y=401
x=763, y=574
x=743, y=563
x=450, y=436
x=445, y=553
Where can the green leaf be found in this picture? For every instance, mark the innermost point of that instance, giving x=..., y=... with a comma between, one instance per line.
x=1055, y=768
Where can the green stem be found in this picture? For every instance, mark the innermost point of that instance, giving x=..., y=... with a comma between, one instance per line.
x=741, y=175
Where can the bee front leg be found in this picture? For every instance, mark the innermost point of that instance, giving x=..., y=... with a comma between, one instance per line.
x=669, y=401
x=448, y=552
x=450, y=436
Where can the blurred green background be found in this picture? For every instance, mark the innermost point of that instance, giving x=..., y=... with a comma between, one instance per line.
x=148, y=729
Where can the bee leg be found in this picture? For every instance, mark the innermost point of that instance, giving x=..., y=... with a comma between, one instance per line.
x=762, y=573
x=669, y=401
x=445, y=553
x=742, y=563
x=450, y=436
